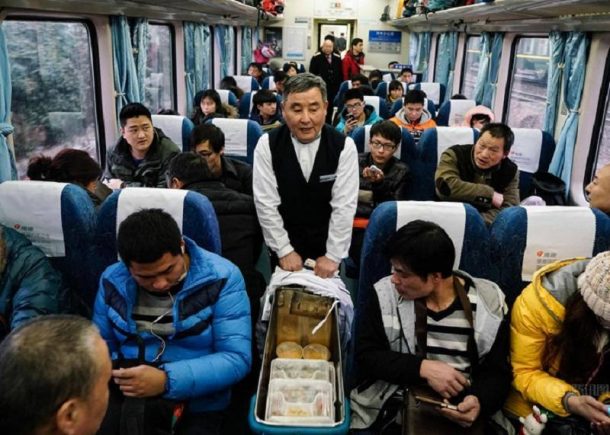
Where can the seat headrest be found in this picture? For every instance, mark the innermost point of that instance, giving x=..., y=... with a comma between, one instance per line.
x=244, y=82
x=552, y=236
x=448, y=136
x=458, y=110
x=172, y=126
x=236, y=135
x=526, y=149
x=373, y=101
x=432, y=90
x=451, y=216
x=224, y=95
x=34, y=209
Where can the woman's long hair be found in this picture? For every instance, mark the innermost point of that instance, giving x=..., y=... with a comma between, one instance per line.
x=198, y=117
x=68, y=166
x=576, y=343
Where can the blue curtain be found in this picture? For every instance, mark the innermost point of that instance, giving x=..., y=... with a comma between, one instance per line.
x=489, y=94
x=225, y=44
x=445, y=65
x=424, y=42
x=139, y=44
x=575, y=61
x=126, y=83
x=413, y=45
x=8, y=167
x=197, y=59
x=557, y=42
x=484, y=60
x=246, y=48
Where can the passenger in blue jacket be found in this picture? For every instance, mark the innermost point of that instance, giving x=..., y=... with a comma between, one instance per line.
x=185, y=309
x=29, y=286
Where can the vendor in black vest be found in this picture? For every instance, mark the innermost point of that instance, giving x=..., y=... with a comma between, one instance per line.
x=305, y=182
x=481, y=174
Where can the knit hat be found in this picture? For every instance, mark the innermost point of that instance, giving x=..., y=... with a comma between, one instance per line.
x=595, y=286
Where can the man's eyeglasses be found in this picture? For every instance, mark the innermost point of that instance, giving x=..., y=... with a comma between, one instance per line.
x=353, y=106
x=389, y=146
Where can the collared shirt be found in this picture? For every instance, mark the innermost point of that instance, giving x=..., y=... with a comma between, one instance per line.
x=343, y=202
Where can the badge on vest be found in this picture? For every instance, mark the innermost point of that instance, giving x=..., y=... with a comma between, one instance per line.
x=327, y=178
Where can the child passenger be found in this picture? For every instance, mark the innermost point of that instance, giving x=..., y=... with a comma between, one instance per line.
x=266, y=110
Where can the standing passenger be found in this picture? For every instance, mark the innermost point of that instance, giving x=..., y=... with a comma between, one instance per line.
x=352, y=59
x=140, y=158
x=327, y=65
x=306, y=182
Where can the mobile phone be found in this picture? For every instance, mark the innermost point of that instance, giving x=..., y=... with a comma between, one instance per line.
x=435, y=402
x=349, y=117
x=375, y=169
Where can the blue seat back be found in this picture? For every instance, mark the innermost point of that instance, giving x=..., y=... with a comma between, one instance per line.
x=378, y=104
x=178, y=128
x=526, y=238
x=428, y=104
x=60, y=219
x=246, y=104
x=532, y=152
x=451, y=113
x=434, y=91
x=228, y=97
x=192, y=211
x=432, y=143
x=338, y=101
x=269, y=83
x=247, y=83
x=241, y=137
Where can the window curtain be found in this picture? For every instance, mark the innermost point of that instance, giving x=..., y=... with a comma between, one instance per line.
x=445, y=66
x=489, y=94
x=557, y=42
x=413, y=44
x=484, y=59
x=424, y=43
x=197, y=56
x=139, y=44
x=225, y=44
x=127, y=88
x=575, y=61
x=246, y=48
x=8, y=166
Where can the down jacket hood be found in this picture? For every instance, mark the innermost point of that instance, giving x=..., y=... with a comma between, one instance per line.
x=478, y=110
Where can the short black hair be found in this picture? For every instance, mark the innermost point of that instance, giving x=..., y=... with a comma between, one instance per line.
x=424, y=247
x=133, y=110
x=367, y=90
x=387, y=130
x=263, y=96
x=458, y=97
x=208, y=132
x=279, y=76
x=479, y=117
x=499, y=130
x=395, y=84
x=146, y=235
x=364, y=80
x=406, y=70
x=189, y=168
x=375, y=74
x=228, y=82
x=352, y=93
x=288, y=65
x=414, y=96
x=356, y=41
x=256, y=65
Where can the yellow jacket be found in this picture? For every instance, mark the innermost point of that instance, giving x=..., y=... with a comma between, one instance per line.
x=537, y=315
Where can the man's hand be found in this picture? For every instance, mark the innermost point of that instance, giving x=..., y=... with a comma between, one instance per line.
x=114, y=183
x=372, y=176
x=140, y=381
x=325, y=267
x=590, y=409
x=467, y=412
x=291, y=262
x=350, y=124
x=497, y=200
x=444, y=379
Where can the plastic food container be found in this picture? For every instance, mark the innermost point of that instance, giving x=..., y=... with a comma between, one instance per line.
x=293, y=402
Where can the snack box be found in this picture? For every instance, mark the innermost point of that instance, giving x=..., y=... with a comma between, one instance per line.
x=297, y=402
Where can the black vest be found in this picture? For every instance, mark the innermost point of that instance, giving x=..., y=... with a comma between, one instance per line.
x=501, y=175
x=305, y=205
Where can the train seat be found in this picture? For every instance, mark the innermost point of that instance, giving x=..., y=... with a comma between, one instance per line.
x=60, y=219
x=523, y=239
x=382, y=89
x=269, y=83
x=246, y=104
x=338, y=101
x=192, y=211
x=428, y=104
x=228, y=97
x=434, y=91
x=378, y=104
x=451, y=113
x=178, y=128
x=532, y=152
x=241, y=137
x=431, y=145
x=247, y=83
x=405, y=150
x=300, y=66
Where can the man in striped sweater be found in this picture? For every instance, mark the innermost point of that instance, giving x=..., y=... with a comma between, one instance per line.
x=429, y=325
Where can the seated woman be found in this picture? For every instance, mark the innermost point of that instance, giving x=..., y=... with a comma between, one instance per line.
x=230, y=84
x=266, y=111
x=395, y=91
x=207, y=105
x=560, y=341
x=383, y=177
x=71, y=166
x=478, y=117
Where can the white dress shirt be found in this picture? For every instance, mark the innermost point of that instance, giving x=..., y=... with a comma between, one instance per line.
x=343, y=202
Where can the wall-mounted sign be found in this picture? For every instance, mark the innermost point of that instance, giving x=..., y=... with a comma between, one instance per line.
x=335, y=8
x=384, y=41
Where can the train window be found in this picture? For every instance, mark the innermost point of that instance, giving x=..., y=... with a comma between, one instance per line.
x=527, y=97
x=159, y=68
x=603, y=149
x=53, y=88
x=471, y=66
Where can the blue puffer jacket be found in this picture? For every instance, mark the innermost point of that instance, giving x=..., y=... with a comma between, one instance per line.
x=29, y=286
x=210, y=350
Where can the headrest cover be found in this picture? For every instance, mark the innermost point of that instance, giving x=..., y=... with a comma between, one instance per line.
x=556, y=233
x=448, y=136
x=373, y=101
x=171, y=126
x=526, y=150
x=236, y=135
x=244, y=82
x=451, y=216
x=224, y=95
x=432, y=90
x=458, y=110
x=34, y=209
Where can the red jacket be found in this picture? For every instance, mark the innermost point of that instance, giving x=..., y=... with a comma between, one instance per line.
x=350, y=64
